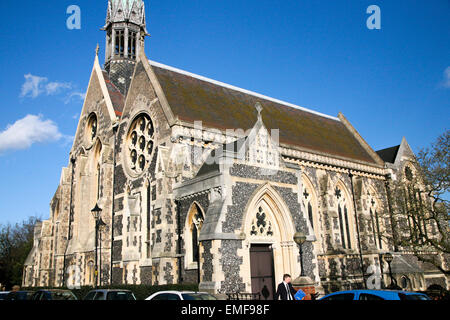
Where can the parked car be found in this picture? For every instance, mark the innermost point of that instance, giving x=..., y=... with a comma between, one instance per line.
x=110, y=294
x=3, y=295
x=181, y=295
x=19, y=295
x=374, y=295
x=53, y=294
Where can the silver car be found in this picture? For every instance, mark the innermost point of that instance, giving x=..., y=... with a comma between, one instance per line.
x=110, y=294
x=181, y=295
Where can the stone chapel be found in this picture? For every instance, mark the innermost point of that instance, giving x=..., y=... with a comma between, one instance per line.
x=198, y=181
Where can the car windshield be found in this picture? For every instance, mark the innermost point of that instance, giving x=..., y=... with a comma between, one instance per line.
x=63, y=295
x=197, y=296
x=120, y=295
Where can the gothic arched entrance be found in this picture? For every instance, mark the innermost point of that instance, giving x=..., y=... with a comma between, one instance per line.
x=269, y=231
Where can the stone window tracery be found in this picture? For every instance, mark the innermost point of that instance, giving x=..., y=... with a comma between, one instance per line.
x=140, y=143
x=261, y=226
x=344, y=227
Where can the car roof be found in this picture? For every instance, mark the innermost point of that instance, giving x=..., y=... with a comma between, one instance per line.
x=110, y=290
x=180, y=292
x=375, y=291
x=54, y=290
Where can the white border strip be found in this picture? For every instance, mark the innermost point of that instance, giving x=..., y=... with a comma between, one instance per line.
x=163, y=66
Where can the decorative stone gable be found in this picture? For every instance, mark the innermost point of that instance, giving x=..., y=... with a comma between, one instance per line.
x=263, y=148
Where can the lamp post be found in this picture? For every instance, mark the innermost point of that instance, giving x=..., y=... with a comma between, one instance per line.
x=300, y=238
x=96, y=212
x=388, y=258
x=303, y=282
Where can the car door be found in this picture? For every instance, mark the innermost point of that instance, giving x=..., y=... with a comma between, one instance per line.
x=90, y=295
x=36, y=295
x=100, y=296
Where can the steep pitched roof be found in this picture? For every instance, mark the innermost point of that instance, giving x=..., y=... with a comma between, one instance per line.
x=117, y=98
x=218, y=105
x=389, y=154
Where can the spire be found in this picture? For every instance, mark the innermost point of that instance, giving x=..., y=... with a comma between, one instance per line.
x=132, y=11
x=125, y=28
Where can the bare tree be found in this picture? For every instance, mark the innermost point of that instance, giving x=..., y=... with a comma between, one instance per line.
x=420, y=207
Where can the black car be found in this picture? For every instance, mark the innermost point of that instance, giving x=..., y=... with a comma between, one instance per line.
x=3, y=295
x=19, y=295
x=54, y=294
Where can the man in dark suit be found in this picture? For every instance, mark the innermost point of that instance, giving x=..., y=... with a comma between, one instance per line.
x=285, y=291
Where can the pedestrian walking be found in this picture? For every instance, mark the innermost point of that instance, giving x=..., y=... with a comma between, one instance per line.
x=285, y=291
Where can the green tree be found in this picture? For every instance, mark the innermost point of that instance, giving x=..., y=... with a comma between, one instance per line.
x=16, y=242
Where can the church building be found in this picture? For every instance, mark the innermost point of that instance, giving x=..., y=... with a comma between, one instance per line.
x=177, y=178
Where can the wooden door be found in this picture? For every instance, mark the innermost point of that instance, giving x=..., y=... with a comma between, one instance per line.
x=262, y=273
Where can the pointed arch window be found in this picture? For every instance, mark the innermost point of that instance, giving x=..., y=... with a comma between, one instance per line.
x=374, y=217
x=119, y=49
x=91, y=128
x=132, y=37
x=197, y=223
x=308, y=198
x=90, y=272
x=344, y=226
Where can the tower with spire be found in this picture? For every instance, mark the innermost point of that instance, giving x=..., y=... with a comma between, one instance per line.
x=125, y=32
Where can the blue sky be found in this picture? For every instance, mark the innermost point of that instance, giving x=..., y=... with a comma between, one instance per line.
x=389, y=83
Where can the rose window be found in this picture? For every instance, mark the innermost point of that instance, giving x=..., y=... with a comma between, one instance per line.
x=140, y=143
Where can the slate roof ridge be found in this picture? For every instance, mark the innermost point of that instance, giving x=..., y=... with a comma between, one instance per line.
x=225, y=85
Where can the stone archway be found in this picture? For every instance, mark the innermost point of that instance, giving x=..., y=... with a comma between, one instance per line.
x=192, y=227
x=268, y=227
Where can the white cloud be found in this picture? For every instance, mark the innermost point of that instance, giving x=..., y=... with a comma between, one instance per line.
x=55, y=87
x=446, y=82
x=34, y=86
x=75, y=95
x=27, y=131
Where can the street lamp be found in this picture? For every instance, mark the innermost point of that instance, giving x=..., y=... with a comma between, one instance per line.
x=96, y=212
x=388, y=258
x=300, y=238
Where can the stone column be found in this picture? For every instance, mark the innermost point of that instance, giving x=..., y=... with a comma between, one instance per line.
x=125, y=47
